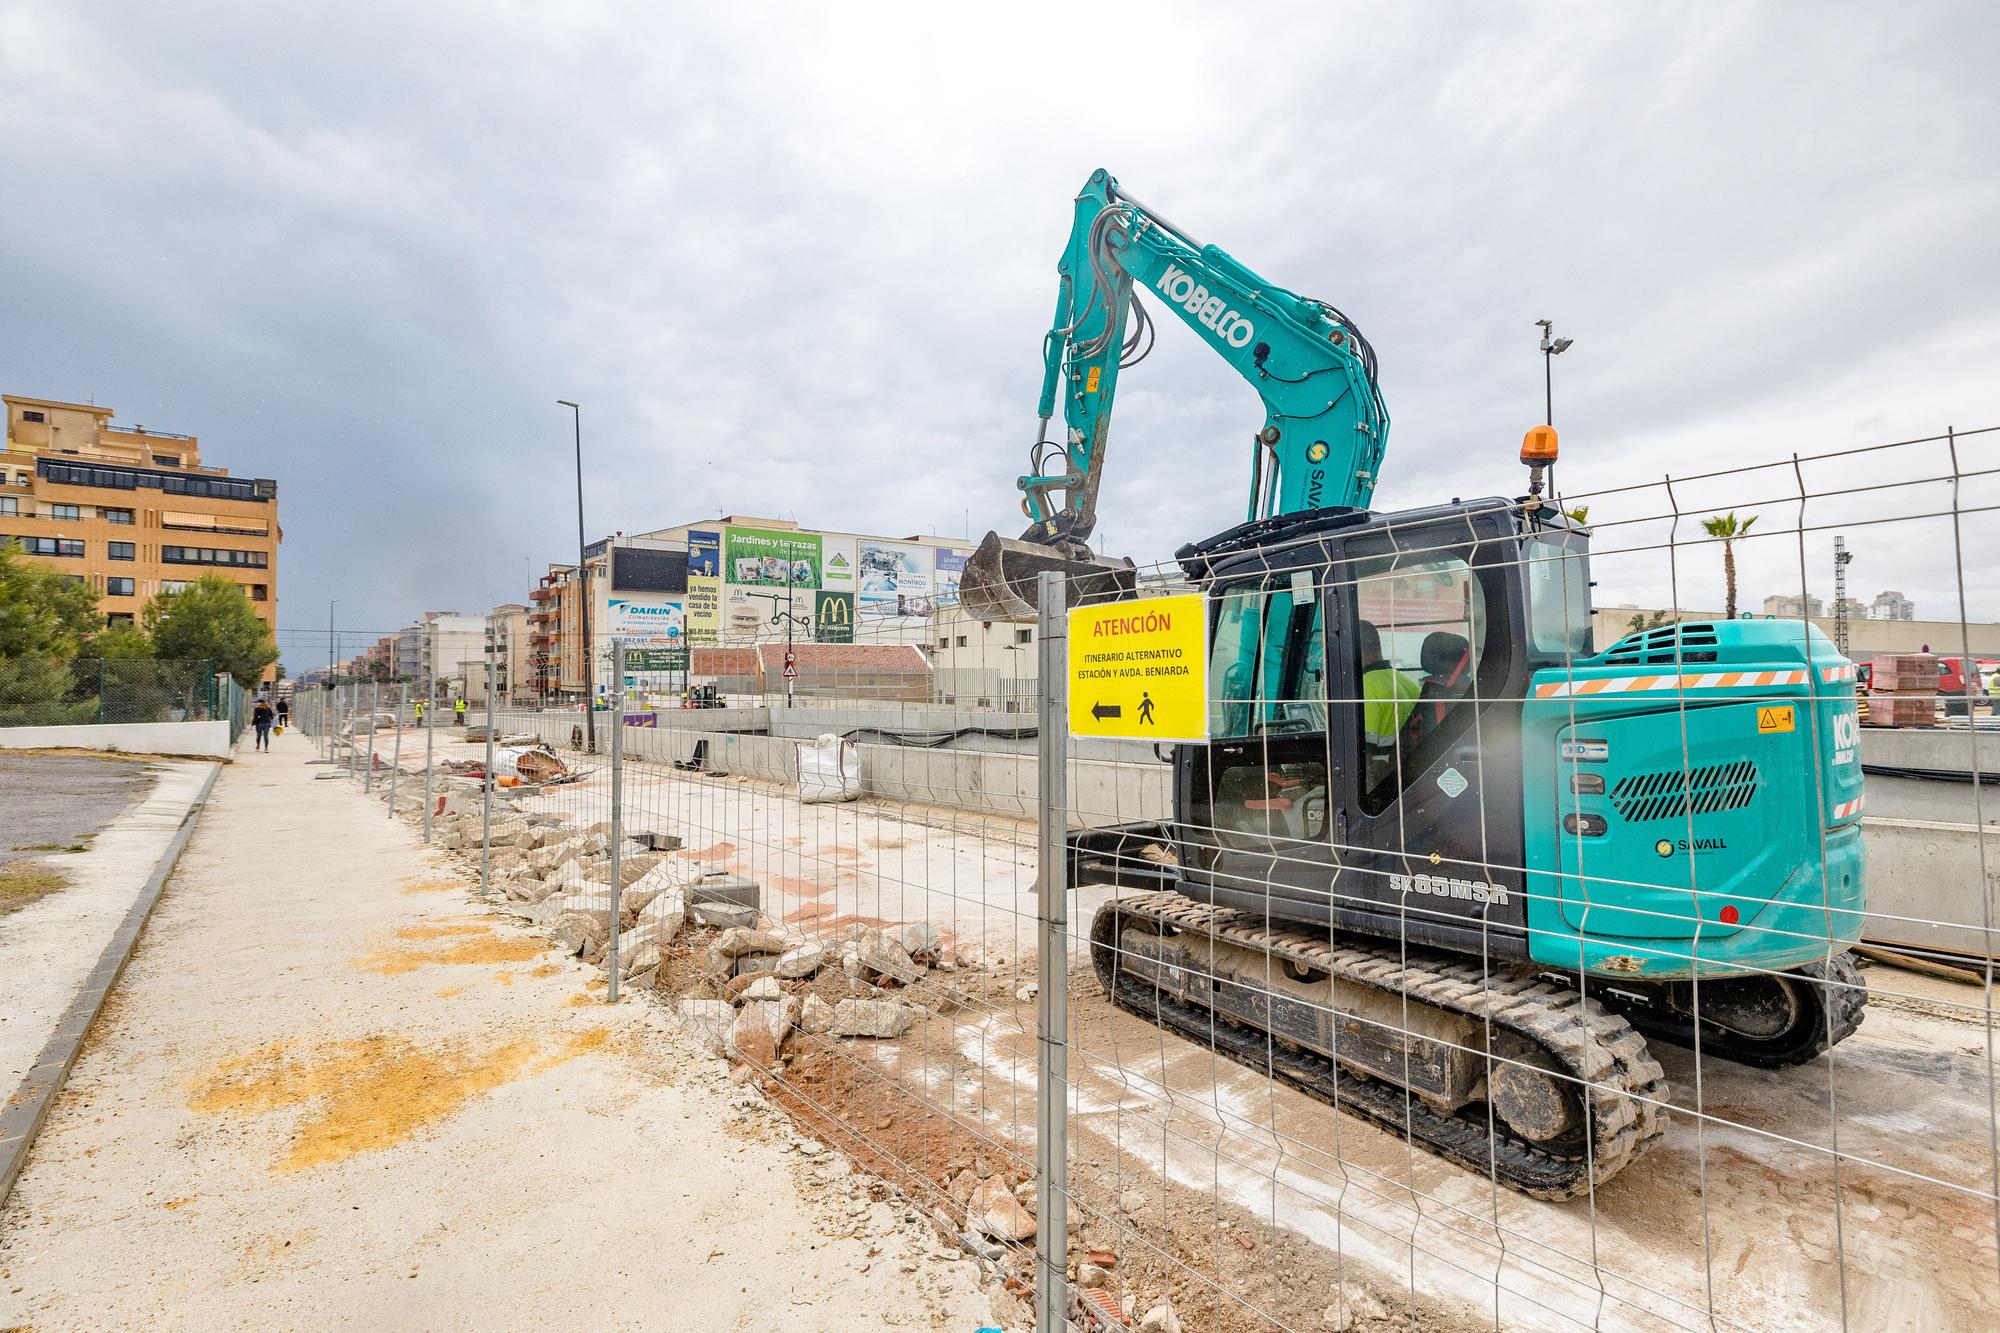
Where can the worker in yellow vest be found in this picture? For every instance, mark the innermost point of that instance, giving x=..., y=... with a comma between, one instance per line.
x=458, y=712
x=420, y=712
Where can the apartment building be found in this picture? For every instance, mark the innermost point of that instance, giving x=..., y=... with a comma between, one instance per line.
x=507, y=644
x=132, y=512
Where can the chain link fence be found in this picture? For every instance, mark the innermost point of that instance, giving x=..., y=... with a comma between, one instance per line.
x=48, y=692
x=1409, y=939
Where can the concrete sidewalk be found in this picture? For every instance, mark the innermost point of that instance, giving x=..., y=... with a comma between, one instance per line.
x=332, y=1090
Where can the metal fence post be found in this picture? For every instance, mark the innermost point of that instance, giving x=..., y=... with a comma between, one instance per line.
x=617, y=806
x=374, y=707
x=430, y=750
x=1052, y=965
x=396, y=758
x=486, y=795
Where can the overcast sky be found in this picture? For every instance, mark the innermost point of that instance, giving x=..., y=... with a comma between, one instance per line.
x=797, y=261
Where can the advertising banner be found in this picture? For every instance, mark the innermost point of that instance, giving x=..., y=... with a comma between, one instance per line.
x=950, y=572
x=838, y=558
x=754, y=557
x=646, y=620
x=704, y=554
x=833, y=617
x=656, y=659
x=704, y=608
x=895, y=578
x=759, y=615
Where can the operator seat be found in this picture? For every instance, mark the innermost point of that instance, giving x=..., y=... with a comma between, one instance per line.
x=1446, y=659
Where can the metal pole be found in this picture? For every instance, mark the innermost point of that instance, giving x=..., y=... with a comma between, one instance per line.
x=617, y=807
x=583, y=587
x=396, y=762
x=374, y=708
x=430, y=749
x=1052, y=967
x=486, y=795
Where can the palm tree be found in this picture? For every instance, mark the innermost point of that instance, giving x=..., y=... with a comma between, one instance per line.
x=1726, y=528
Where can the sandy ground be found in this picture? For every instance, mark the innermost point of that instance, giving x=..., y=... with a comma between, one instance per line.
x=331, y=1091
x=128, y=813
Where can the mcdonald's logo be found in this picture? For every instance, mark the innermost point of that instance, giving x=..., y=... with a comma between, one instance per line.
x=833, y=617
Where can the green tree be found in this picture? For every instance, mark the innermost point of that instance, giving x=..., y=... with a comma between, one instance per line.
x=44, y=618
x=1726, y=528
x=1642, y=621
x=1580, y=515
x=212, y=619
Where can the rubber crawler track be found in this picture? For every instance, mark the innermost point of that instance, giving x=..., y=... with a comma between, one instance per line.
x=1590, y=1043
x=1838, y=988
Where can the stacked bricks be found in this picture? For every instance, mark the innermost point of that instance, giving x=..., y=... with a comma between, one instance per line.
x=1902, y=691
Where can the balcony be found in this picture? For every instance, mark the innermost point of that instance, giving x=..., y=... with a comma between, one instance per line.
x=541, y=594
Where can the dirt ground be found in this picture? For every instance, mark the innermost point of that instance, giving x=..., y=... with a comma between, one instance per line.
x=331, y=1090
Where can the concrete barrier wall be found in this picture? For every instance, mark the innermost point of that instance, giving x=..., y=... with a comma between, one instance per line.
x=209, y=740
x=1000, y=784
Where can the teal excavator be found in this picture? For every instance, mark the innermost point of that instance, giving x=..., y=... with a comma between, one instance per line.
x=1442, y=862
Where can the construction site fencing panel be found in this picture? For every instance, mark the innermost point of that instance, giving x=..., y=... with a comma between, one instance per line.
x=1498, y=955
x=83, y=691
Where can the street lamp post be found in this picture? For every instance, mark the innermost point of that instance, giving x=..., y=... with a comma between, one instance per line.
x=1552, y=347
x=583, y=588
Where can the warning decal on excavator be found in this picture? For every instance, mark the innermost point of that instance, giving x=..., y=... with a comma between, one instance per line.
x=1139, y=670
x=1774, y=718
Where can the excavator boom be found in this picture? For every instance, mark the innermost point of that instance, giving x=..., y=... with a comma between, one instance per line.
x=1325, y=425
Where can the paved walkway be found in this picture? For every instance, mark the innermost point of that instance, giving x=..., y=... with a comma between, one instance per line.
x=333, y=1091
x=129, y=814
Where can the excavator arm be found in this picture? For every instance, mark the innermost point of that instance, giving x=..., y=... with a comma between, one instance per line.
x=1324, y=426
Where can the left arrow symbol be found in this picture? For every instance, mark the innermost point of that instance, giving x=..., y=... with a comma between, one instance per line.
x=1102, y=711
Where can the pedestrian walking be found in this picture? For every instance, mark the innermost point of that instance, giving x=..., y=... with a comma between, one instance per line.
x=420, y=712
x=458, y=712
x=284, y=712
x=261, y=717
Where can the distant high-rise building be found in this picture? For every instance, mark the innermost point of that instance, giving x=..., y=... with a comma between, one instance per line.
x=1785, y=607
x=1892, y=606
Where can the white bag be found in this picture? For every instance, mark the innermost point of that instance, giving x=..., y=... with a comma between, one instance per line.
x=829, y=769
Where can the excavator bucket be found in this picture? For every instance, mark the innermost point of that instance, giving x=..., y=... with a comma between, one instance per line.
x=999, y=582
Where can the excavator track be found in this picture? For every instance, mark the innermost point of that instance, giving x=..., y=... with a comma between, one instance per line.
x=1591, y=1047
x=1828, y=1001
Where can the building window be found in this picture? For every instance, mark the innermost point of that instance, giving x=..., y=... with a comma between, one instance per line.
x=118, y=618
x=75, y=578
x=9, y=505
x=118, y=587
x=1024, y=636
x=961, y=641
x=65, y=511
x=122, y=550
x=260, y=592
x=33, y=416
x=123, y=516
x=212, y=555
x=57, y=546
x=166, y=460
x=173, y=585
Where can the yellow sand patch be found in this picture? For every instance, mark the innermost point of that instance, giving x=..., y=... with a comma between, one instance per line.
x=374, y=1093
x=485, y=949
x=437, y=931
x=579, y=1001
x=451, y=992
x=548, y=970
x=434, y=886
x=175, y=1205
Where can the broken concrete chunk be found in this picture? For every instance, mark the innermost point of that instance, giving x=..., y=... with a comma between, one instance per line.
x=764, y=988
x=801, y=961
x=1160, y=1319
x=916, y=938
x=731, y=916
x=738, y=940
x=816, y=1015
x=993, y=1211
x=872, y=1018
x=710, y=1021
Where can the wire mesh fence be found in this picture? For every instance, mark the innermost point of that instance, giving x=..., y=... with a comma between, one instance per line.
x=1409, y=938
x=53, y=692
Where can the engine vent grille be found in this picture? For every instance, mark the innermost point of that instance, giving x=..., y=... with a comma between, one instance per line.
x=1708, y=790
x=1664, y=646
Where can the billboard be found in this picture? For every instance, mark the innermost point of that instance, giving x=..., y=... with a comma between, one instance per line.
x=950, y=572
x=757, y=557
x=837, y=564
x=704, y=608
x=895, y=579
x=833, y=617
x=646, y=620
x=761, y=615
x=655, y=659
x=704, y=554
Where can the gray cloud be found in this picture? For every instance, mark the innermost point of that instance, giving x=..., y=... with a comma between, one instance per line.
x=799, y=259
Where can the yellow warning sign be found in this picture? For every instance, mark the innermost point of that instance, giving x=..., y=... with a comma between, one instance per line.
x=1774, y=718
x=1139, y=670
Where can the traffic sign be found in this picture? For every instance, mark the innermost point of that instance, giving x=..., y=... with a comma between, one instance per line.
x=1139, y=670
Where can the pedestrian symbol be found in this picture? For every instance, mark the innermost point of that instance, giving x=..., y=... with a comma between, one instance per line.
x=1145, y=708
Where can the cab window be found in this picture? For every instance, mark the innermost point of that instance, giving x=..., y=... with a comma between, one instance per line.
x=1267, y=659
x=1418, y=644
